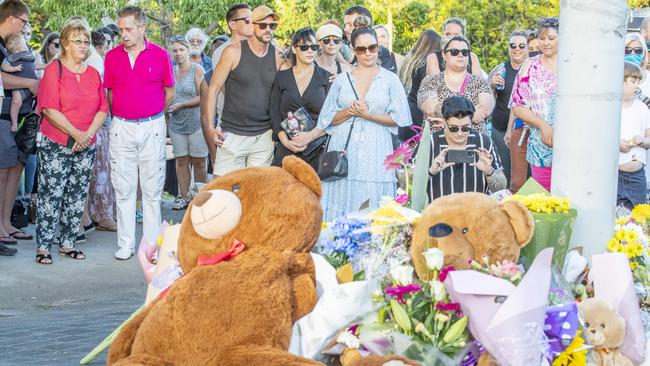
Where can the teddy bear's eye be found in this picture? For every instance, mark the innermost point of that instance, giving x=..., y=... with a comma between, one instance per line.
x=587, y=325
x=236, y=188
x=602, y=326
x=465, y=230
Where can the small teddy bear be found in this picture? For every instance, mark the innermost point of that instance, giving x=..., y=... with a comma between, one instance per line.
x=605, y=331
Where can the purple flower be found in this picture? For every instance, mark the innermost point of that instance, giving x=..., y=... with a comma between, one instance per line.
x=399, y=291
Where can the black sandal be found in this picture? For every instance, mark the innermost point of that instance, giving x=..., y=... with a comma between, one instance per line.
x=21, y=235
x=74, y=254
x=40, y=258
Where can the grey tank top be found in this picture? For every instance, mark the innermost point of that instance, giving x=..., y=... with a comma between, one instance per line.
x=247, y=93
x=187, y=120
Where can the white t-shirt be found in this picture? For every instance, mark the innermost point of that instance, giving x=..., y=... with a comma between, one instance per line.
x=216, y=56
x=96, y=61
x=635, y=119
x=645, y=86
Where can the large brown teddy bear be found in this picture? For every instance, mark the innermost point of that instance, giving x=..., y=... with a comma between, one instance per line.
x=468, y=226
x=239, y=311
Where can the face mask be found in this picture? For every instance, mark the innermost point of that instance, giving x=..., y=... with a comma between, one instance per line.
x=634, y=58
x=534, y=53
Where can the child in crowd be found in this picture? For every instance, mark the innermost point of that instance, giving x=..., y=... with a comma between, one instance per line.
x=635, y=140
x=21, y=62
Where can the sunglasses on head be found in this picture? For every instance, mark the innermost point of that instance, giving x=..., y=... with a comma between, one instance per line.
x=637, y=50
x=263, y=26
x=328, y=40
x=456, y=51
x=522, y=46
x=549, y=22
x=246, y=20
x=458, y=128
x=305, y=47
x=360, y=50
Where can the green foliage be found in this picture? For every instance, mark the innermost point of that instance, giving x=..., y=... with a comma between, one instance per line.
x=489, y=21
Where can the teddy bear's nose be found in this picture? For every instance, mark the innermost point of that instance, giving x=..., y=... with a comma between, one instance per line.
x=440, y=230
x=201, y=198
x=593, y=331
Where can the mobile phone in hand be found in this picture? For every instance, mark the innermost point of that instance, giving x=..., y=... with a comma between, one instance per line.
x=70, y=142
x=461, y=156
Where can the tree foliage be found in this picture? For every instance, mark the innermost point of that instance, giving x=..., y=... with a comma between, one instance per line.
x=489, y=21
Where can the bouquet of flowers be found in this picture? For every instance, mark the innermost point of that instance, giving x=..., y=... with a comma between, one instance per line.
x=371, y=242
x=417, y=319
x=554, y=220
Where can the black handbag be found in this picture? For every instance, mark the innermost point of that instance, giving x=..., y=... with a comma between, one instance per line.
x=333, y=165
x=27, y=134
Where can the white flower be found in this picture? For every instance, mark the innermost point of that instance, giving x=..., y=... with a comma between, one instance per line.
x=403, y=275
x=438, y=290
x=348, y=339
x=435, y=258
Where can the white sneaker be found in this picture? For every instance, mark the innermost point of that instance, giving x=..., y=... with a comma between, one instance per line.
x=124, y=253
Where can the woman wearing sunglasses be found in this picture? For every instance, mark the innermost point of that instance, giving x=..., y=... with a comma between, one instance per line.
x=501, y=79
x=51, y=47
x=464, y=160
x=533, y=101
x=367, y=105
x=305, y=85
x=455, y=80
x=329, y=38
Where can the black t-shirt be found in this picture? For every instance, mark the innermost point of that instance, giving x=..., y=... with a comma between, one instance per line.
x=4, y=46
x=417, y=76
x=6, y=101
x=387, y=59
x=501, y=111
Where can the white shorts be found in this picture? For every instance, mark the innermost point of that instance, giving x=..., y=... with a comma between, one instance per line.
x=193, y=144
x=243, y=151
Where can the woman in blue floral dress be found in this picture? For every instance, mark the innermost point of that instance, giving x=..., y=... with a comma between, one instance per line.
x=381, y=108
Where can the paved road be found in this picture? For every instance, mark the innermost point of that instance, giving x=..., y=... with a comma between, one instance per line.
x=54, y=315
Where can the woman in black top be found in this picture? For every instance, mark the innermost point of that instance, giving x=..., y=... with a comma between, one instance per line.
x=305, y=85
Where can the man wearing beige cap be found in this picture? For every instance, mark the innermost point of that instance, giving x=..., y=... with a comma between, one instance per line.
x=330, y=38
x=247, y=70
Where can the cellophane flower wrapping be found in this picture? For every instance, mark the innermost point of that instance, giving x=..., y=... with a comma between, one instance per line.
x=554, y=222
x=373, y=241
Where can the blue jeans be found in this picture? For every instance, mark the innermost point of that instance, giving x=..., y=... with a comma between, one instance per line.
x=632, y=188
x=29, y=175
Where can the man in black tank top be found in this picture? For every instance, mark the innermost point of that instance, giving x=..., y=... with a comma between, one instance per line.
x=247, y=70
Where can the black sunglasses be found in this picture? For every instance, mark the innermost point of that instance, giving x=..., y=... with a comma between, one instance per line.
x=56, y=44
x=328, y=40
x=360, y=50
x=263, y=26
x=549, y=22
x=456, y=128
x=456, y=51
x=246, y=20
x=522, y=46
x=637, y=50
x=305, y=47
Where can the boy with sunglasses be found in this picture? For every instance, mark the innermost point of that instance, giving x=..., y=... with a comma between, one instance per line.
x=447, y=175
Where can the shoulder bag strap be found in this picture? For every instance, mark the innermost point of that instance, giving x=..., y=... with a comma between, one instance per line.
x=347, y=141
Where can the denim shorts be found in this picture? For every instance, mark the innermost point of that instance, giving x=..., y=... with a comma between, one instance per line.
x=632, y=188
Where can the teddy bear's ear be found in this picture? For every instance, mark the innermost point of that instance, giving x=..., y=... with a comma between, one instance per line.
x=303, y=172
x=521, y=220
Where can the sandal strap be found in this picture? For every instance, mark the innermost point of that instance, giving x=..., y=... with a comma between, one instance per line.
x=40, y=257
x=72, y=253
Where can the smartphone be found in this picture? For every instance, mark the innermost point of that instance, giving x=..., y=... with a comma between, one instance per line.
x=70, y=143
x=461, y=156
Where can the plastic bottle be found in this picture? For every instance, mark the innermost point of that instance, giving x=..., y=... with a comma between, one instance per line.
x=502, y=71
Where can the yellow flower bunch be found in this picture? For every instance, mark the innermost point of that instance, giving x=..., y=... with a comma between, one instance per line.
x=641, y=213
x=574, y=355
x=626, y=241
x=540, y=203
x=388, y=214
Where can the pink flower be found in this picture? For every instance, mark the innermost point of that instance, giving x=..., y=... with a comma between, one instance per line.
x=444, y=272
x=508, y=268
x=452, y=307
x=399, y=291
x=402, y=198
x=399, y=157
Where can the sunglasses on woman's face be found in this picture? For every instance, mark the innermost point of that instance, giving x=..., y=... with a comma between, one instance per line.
x=305, y=47
x=328, y=40
x=456, y=52
x=263, y=26
x=56, y=44
x=522, y=46
x=455, y=129
x=637, y=50
x=360, y=50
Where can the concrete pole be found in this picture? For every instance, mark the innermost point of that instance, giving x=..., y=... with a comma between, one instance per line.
x=587, y=129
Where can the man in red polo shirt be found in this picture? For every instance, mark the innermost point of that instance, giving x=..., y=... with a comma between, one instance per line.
x=140, y=81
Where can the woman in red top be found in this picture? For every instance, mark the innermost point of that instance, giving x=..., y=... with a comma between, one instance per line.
x=72, y=99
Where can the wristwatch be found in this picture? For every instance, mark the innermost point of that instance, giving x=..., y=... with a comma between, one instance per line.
x=491, y=172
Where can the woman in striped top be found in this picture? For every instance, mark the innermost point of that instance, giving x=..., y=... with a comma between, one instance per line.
x=446, y=174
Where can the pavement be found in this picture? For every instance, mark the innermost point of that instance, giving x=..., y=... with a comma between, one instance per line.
x=54, y=315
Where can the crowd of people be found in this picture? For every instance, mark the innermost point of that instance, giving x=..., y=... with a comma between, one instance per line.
x=111, y=101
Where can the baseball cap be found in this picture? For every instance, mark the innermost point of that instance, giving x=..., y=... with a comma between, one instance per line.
x=262, y=12
x=328, y=30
